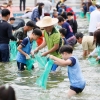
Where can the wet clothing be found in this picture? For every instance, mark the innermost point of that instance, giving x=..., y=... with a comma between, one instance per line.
x=77, y=90
x=73, y=24
x=21, y=66
x=85, y=9
x=69, y=30
x=4, y=53
x=5, y=36
x=20, y=34
x=27, y=46
x=52, y=39
x=75, y=75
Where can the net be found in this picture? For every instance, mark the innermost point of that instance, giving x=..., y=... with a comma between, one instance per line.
x=42, y=80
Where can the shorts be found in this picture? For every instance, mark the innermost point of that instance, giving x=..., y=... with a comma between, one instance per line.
x=21, y=66
x=77, y=90
x=54, y=67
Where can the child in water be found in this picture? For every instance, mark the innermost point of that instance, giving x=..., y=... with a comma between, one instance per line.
x=77, y=82
x=24, y=49
x=97, y=40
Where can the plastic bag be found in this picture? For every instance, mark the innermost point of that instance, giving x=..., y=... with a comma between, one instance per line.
x=29, y=63
x=42, y=80
x=13, y=50
x=81, y=14
x=41, y=60
x=92, y=61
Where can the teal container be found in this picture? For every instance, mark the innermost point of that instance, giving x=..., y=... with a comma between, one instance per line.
x=82, y=14
x=88, y=16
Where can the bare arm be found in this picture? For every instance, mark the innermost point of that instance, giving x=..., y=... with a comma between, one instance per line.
x=55, y=47
x=61, y=62
x=21, y=51
x=85, y=53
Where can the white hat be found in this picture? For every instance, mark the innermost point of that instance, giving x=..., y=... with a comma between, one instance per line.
x=47, y=21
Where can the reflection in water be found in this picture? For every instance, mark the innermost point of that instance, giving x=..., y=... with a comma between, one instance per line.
x=58, y=85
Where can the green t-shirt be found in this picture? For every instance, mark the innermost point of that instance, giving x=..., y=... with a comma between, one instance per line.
x=52, y=39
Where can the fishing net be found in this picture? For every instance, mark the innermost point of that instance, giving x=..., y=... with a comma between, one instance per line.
x=92, y=61
x=81, y=14
x=40, y=60
x=42, y=80
x=29, y=63
x=13, y=50
x=88, y=16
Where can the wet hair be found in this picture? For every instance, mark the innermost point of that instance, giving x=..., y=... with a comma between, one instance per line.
x=40, y=8
x=97, y=37
x=79, y=35
x=63, y=31
x=66, y=48
x=5, y=12
x=7, y=93
x=12, y=18
x=69, y=14
x=30, y=24
x=37, y=31
x=60, y=19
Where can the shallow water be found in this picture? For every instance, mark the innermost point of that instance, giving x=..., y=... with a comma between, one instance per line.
x=58, y=84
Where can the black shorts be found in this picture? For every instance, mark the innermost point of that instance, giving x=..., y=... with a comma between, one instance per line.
x=77, y=90
x=21, y=66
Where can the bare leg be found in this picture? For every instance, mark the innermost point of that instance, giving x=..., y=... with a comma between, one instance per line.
x=71, y=93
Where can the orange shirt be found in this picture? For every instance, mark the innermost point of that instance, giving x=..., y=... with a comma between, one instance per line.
x=40, y=40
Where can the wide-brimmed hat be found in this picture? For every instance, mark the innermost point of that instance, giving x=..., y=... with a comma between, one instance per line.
x=28, y=9
x=47, y=21
x=4, y=4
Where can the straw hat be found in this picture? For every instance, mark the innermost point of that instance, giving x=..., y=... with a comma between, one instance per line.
x=47, y=21
x=28, y=9
x=4, y=5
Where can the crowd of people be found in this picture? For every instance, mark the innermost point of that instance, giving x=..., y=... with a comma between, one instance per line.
x=57, y=32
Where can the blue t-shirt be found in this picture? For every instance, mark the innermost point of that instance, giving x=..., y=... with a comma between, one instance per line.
x=24, y=42
x=92, y=8
x=69, y=30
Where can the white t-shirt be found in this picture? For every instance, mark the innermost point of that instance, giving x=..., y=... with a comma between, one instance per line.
x=94, y=19
x=47, y=5
x=27, y=15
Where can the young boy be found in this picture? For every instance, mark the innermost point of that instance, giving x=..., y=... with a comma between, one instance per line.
x=77, y=82
x=24, y=49
x=71, y=41
x=72, y=22
x=12, y=20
